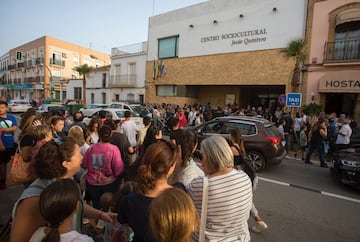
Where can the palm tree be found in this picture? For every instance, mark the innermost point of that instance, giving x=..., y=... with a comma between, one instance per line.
x=83, y=70
x=295, y=49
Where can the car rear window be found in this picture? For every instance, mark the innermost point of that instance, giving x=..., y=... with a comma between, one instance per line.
x=272, y=130
x=245, y=129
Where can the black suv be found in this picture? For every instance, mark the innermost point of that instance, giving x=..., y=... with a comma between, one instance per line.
x=264, y=144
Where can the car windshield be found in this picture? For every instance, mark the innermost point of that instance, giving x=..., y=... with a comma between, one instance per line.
x=120, y=114
x=21, y=102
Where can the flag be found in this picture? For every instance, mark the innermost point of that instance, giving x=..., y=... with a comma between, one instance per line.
x=154, y=70
x=157, y=70
x=161, y=71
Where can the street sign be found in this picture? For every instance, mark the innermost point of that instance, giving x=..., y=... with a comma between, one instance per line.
x=293, y=100
x=282, y=99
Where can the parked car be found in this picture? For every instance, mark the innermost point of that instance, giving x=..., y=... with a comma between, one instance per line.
x=264, y=144
x=141, y=109
x=16, y=106
x=47, y=107
x=345, y=166
x=117, y=115
x=92, y=108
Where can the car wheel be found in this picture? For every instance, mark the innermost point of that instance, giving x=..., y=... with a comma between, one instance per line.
x=256, y=159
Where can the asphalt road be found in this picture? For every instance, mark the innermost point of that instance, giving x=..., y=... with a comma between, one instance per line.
x=301, y=202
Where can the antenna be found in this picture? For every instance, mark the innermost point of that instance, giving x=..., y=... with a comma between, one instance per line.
x=153, y=8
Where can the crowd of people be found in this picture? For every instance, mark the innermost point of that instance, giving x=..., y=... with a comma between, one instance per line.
x=134, y=185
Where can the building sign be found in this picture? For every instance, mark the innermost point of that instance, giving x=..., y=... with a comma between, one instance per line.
x=239, y=38
x=340, y=82
x=21, y=86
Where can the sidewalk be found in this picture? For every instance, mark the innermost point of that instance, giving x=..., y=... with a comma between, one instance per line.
x=314, y=157
x=7, y=199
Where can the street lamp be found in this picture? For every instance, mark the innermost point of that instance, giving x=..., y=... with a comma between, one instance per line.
x=51, y=79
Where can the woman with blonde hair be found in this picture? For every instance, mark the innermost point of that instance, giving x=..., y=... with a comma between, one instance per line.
x=157, y=165
x=77, y=133
x=173, y=217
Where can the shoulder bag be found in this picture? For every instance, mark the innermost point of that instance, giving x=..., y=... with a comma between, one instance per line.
x=204, y=209
x=19, y=170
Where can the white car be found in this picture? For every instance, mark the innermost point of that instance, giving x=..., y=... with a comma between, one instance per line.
x=117, y=115
x=18, y=106
x=47, y=107
x=92, y=108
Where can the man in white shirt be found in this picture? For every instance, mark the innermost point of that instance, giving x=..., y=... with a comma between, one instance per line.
x=343, y=136
x=129, y=128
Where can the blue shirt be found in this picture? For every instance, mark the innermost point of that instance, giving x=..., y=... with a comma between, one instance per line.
x=8, y=137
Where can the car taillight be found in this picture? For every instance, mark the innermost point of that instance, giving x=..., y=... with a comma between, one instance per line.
x=274, y=140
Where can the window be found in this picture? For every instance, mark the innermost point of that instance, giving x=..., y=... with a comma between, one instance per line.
x=77, y=93
x=168, y=47
x=347, y=41
x=130, y=97
x=92, y=97
x=104, y=80
x=117, y=97
x=75, y=60
x=103, y=94
x=132, y=73
x=166, y=91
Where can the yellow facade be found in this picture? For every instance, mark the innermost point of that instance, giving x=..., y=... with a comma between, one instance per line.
x=57, y=57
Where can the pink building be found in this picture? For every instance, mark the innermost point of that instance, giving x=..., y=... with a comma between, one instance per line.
x=332, y=78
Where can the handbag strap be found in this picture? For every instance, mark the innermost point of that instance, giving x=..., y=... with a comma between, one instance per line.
x=204, y=209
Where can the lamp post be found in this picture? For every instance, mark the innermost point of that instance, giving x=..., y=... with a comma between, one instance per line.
x=51, y=79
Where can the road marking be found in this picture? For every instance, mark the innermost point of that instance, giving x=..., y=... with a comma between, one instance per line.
x=311, y=189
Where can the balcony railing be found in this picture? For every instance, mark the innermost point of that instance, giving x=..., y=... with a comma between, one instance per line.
x=123, y=80
x=342, y=51
x=57, y=62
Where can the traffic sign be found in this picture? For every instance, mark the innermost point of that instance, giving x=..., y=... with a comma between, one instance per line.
x=293, y=100
x=282, y=99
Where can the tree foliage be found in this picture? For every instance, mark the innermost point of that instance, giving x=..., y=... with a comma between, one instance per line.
x=312, y=109
x=83, y=70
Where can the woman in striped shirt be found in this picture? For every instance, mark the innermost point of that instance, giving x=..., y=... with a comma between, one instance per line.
x=229, y=193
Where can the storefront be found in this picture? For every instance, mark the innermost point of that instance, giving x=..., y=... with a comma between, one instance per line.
x=340, y=91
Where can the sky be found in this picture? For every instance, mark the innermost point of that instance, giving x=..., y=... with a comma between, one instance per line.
x=96, y=24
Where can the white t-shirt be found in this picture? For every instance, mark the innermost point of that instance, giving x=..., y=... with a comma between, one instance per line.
x=72, y=236
x=190, y=172
x=345, y=138
x=130, y=129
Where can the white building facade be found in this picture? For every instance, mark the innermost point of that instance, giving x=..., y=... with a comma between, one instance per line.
x=127, y=74
x=223, y=51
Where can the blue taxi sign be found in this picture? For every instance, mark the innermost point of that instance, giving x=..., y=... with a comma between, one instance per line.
x=293, y=100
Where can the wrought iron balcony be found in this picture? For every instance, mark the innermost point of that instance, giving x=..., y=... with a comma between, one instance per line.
x=342, y=51
x=123, y=81
x=57, y=62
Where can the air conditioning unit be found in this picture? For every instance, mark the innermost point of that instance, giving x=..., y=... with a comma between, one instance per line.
x=64, y=55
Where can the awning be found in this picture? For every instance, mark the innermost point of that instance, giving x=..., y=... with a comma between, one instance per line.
x=20, y=86
x=348, y=16
x=340, y=82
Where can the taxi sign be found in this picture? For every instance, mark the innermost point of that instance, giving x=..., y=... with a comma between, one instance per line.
x=293, y=100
